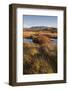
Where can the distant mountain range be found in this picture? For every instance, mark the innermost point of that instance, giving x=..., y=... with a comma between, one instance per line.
x=36, y=28
x=39, y=27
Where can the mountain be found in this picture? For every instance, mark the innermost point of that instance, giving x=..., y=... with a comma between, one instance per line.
x=38, y=28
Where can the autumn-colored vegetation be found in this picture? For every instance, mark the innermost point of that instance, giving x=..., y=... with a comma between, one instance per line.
x=40, y=56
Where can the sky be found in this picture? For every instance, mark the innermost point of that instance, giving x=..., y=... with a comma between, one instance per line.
x=34, y=20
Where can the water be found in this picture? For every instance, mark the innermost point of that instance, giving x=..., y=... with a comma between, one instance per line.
x=28, y=40
x=54, y=41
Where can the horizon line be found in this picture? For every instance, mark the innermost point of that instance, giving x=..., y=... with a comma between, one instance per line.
x=39, y=26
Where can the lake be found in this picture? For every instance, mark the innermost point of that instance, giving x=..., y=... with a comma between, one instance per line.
x=54, y=40
x=30, y=40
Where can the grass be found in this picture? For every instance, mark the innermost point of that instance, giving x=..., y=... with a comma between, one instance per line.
x=40, y=56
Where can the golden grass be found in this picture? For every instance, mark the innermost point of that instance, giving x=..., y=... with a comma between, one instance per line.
x=41, y=55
